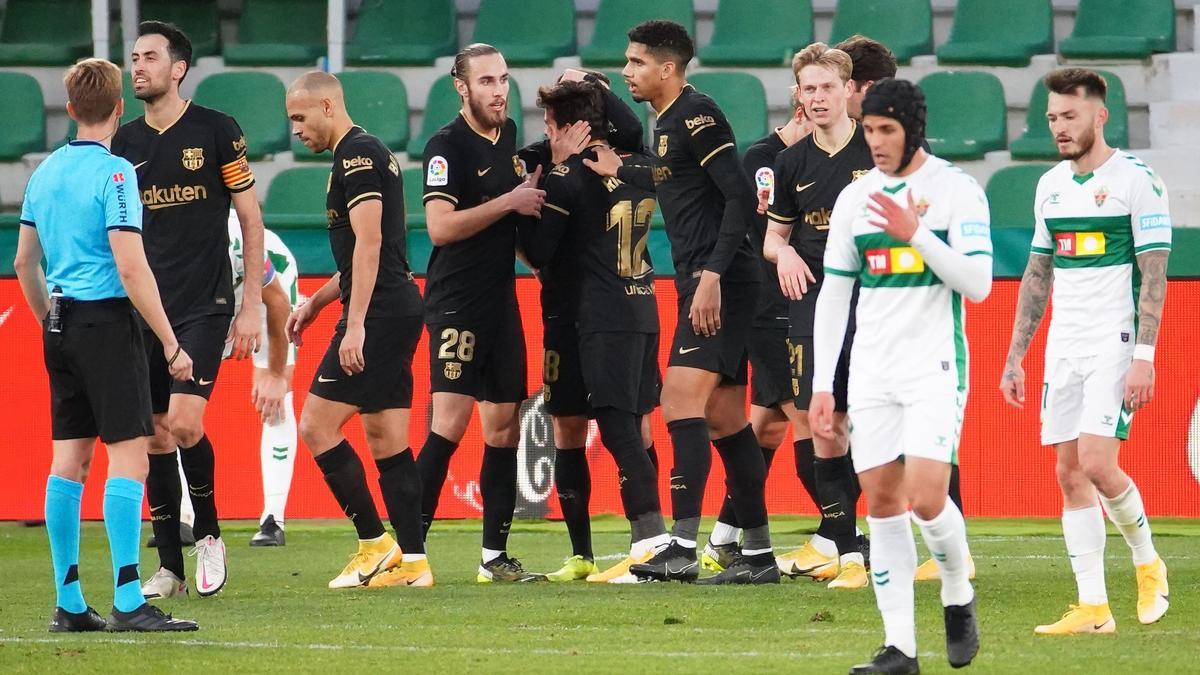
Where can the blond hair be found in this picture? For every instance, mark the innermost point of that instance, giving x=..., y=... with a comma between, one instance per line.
x=821, y=54
x=93, y=89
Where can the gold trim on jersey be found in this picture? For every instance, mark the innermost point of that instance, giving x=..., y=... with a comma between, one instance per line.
x=557, y=208
x=186, y=104
x=710, y=155
x=343, y=136
x=361, y=168
x=366, y=195
x=781, y=219
x=440, y=195
x=482, y=135
x=842, y=145
x=662, y=112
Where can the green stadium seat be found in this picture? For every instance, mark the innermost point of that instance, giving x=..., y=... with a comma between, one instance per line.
x=743, y=100
x=8, y=219
x=24, y=114
x=296, y=199
x=198, y=18
x=414, y=196
x=614, y=18
x=905, y=26
x=403, y=33
x=1118, y=29
x=133, y=107
x=255, y=100
x=993, y=33
x=967, y=114
x=378, y=102
x=1010, y=195
x=443, y=103
x=642, y=110
x=527, y=32
x=1037, y=143
x=279, y=33
x=45, y=32
x=741, y=36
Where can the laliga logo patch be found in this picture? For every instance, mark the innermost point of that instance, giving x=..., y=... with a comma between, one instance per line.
x=438, y=172
x=1101, y=195
x=764, y=181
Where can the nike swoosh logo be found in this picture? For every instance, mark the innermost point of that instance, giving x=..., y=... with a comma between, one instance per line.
x=203, y=382
x=363, y=578
x=689, y=350
x=155, y=509
x=139, y=165
x=322, y=378
x=802, y=188
x=681, y=570
x=483, y=171
x=808, y=570
x=830, y=506
x=760, y=575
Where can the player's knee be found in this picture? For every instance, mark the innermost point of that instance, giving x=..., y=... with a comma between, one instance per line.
x=1098, y=468
x=927, y=504
x=186, y=430
x=314, y=434
x=570, y=432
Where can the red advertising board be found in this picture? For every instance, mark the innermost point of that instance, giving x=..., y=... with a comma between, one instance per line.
x=1005, y=472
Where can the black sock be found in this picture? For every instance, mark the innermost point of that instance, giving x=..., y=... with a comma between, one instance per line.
x=432, y=465
x=955, y=488
x=728, y=514
x=693, y=460
x=498, y=490
x=347, y=480
x=652, y=453
x=199, y=467
x=835, y=488
x=573, y=482
x=639, y=481
x=805, y=454
x=401, y=488
x=746, y=476
x=163, y=493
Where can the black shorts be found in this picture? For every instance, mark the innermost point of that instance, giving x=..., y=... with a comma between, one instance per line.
x=203, y=338
x=770, y=367
x=481, y=358
x=725, y=352
x=562, y=380
x=801, y=350
x=387, y=380
x=620, y=370
x=97, y=368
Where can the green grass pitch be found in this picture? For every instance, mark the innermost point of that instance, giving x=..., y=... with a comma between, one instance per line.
x=275, y=613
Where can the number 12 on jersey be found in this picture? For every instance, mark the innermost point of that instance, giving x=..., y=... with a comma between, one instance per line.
x=633, y=232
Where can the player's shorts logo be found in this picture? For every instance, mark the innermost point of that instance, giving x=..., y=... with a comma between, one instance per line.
x=453, y=370
x=193, y=158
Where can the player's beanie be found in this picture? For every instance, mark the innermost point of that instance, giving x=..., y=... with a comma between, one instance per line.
x=904, y=102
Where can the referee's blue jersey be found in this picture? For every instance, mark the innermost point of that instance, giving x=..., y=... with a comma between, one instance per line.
x=73, y=199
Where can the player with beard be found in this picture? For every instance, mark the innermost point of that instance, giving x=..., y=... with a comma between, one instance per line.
x=191, y=163
x=476, y=194
x=708, y=205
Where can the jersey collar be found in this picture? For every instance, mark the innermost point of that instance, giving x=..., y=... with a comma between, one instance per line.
x=842, y=145
x=662, y=112
x=348, y=132
x=186, y=105
x=84, y=143
x=490, y=139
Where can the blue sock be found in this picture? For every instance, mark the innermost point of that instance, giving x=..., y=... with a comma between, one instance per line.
x=123, y=521
x=62, y=526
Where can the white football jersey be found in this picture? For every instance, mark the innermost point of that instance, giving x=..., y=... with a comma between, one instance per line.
x=277, y=260
x=1095, y=226
x=910, y=324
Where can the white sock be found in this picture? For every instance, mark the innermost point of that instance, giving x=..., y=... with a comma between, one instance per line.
x=893, y=569
x=277, y=457
x=857, y=532
x=1083, y=530
x=1129, y=515
x=824, y=545
x=724, y=533
x=855, y=557
x=641, y=548
x=686, y=543
x=411, y=557
x=756, y=551
x=946, y=537
x=186, y=513
x=490, y=554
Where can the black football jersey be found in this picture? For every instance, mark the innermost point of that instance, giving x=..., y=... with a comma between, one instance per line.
x=187, y=173
x=364, y=170
x=472, y=277
x=606, y=225
x=760, y=166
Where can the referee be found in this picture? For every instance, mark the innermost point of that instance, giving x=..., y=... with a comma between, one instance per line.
x=81, y=204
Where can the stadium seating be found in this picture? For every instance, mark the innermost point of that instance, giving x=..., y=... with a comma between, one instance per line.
x=403, y=33
x=741, y=36
x=992, y=33
x=279, y=33
x=743, y=100
x=414, y=194
x=378, y=102
x=527, y=32
x=296, y=199
x=966, y=114
x=1118, y=29
x=614, y=18
x=1010, y=195
x=45, y=32
x=905, y=26
x=443, y=103
x=255, y=100
x=1036, y=143
x=24, y=115
x=198, y=18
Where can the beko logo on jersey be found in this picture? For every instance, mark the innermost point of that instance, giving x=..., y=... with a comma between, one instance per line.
x=357, y=162
x=699, y=122
x=155, y=197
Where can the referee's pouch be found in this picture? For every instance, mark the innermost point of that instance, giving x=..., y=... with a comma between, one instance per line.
x=68, y=312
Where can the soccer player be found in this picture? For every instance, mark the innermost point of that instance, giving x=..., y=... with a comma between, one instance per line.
x=191, y=164
x=914, y=233
x=708, y=205
x=1101, y=239
x=809, y=176
x=80, y=212
x=476, y=194
x=367, y=369
x=596, y=228
x=771, y=406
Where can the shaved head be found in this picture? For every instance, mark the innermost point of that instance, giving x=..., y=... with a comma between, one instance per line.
x=318, y=83
x=317, y=108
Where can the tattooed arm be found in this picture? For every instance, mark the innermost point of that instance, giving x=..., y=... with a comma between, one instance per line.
x=1139, y=382
x=1031, y=306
